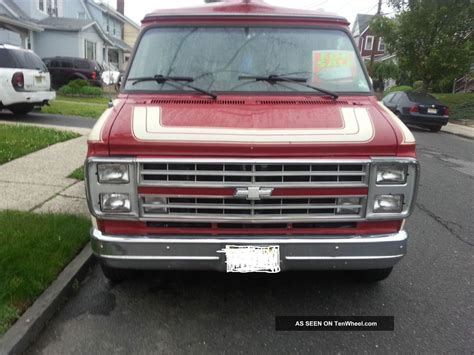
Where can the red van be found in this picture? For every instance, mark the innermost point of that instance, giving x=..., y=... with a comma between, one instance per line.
x=247, y=138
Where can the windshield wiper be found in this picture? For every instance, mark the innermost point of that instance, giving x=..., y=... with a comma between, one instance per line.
x=275, y=79
x=181, y=80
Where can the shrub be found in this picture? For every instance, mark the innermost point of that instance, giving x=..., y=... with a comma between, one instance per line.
x=78, y=83
x=68, y=90
x=398, y=88
x=461, y=105
x=91, y=91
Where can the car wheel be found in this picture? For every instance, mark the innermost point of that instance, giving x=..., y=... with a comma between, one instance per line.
x=21, y=109
x=116, y=275
x=435, y=128
x=371, y=275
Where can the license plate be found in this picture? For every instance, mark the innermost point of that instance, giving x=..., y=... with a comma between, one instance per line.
x=38, y=80
x=250, y=258
x=432, y=110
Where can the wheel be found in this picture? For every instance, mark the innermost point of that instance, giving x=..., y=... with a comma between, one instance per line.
x=372, y=275
x=21, y=109
x=435, y=128
x=116, y=275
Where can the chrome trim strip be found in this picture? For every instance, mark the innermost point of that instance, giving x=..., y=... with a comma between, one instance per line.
x=343, y=257
x=166, y=258
x=350, y=239
x=254, y=161
x=290, y=218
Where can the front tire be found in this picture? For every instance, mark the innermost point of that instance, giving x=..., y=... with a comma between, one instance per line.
x=21, y=109
x=372, y=275
x=115, y=275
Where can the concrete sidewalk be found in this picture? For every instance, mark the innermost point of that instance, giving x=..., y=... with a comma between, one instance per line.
x=460, y=130
x=38, y=182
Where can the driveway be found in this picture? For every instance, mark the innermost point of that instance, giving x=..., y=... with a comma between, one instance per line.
x=50, y=120
x=430, y=292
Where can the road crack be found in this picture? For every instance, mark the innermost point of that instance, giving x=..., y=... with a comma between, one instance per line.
x=444, y=223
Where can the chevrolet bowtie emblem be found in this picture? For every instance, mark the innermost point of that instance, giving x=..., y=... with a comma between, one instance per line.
x=253, y=193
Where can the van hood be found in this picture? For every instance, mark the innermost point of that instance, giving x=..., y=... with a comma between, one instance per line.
x=252, y=126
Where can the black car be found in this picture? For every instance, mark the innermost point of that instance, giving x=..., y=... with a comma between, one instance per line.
x=419, y=109
x=65, y=69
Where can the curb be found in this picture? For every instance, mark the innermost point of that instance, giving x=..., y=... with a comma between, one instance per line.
x=27, y=328
x=459, y=134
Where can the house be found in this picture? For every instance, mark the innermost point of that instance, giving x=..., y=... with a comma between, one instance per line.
x=76, y=28
x=15, y=29
x=367, y=42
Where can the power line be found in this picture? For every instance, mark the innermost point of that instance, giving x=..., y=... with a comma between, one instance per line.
x=343, y=6
x=316, y=5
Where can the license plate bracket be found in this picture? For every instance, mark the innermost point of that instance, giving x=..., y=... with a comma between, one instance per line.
x=252, y=258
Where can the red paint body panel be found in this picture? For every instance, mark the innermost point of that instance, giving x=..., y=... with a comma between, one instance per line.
x=239, y=8
x=349, y=191
x=256, y=116
x=117, y=227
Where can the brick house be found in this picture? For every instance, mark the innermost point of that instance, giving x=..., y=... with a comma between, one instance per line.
x=365, y=39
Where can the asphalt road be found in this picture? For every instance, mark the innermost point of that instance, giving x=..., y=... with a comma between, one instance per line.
x=430, y=293
x=53, y=120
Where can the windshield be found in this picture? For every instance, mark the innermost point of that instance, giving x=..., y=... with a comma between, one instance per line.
x=216, y=57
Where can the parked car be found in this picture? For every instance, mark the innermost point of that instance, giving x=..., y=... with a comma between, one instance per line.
x=24, y=80
x=252, y=143
x=65, y=69
x=417, y=108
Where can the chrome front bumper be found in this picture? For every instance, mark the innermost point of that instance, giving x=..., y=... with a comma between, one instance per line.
x=296, y=253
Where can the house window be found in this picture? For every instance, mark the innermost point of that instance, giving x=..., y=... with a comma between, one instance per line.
x=381, y=45
x=369, y=43
x=90, y=50
x=49, y=7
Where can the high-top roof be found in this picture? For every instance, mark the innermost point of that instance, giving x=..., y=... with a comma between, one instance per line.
x=241, y=8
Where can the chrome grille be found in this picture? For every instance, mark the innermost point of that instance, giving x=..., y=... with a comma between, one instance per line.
x=273, y=209
x=241, y=173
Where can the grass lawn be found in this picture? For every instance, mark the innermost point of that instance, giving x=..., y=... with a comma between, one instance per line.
x=77, y=174
x=461, y=106
x=17, y=140
x=75, y=107
x=90, y=100
x=35, y=248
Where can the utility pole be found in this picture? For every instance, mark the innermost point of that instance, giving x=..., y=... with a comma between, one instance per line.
x=372, y=54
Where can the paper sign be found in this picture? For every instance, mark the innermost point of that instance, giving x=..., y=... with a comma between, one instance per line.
x=333, y=65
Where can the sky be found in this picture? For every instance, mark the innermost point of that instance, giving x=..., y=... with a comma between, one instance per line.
x=137, y=9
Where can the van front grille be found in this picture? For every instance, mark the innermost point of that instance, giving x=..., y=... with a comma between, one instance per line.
x=247, y=173
x=272, y=209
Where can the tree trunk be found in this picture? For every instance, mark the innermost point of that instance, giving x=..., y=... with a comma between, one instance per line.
x=425, y=86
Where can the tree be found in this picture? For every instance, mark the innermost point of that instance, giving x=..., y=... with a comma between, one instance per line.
x=431, y=38
x=382, y=71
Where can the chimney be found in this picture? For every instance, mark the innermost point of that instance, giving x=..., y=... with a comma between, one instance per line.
x=121, y=6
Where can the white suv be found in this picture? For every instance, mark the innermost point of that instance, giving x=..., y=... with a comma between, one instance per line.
x=24, y=80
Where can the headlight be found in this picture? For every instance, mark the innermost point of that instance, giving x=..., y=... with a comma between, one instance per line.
x=388, y=203
x=391, y=174
x=113, y=173
x=114, y=202
x=153, y=204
